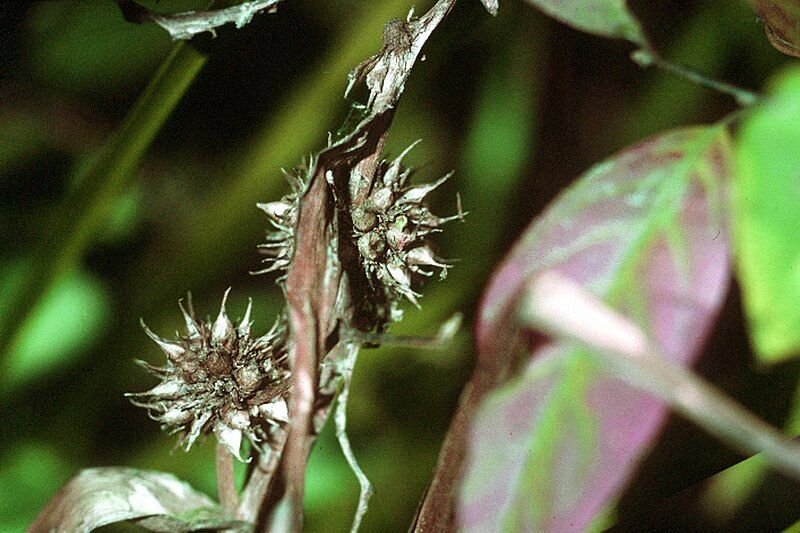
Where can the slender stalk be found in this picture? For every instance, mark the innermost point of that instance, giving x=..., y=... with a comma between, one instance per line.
x=340, y=418
x=260, y=481
x=443, y=337
x=226, y=484
x=561, y=308
x=96, y=185
x=646, y=58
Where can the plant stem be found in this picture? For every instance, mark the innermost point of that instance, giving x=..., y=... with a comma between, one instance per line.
x=562, y=309
x=646, y=58
x=96, y=185
x=340, y=419
x=258, y=485
x=226, y=485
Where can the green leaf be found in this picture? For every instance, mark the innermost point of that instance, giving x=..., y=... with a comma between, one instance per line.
x=767, y=220
x=608, y=18
x=68, y=317
x=160, y=502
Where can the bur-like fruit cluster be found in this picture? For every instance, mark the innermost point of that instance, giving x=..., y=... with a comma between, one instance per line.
x=391, y=226
x=218, y=378
x=283, y=214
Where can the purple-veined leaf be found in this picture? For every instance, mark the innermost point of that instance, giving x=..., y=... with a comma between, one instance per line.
x=781, y=23
x=566, y=312
x=609, y=18
x=646, y=232
x=157, y=501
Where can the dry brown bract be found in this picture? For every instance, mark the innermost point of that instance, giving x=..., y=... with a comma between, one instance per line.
x=219, y=378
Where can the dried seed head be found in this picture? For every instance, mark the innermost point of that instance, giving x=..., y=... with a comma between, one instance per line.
x=363, y=220
x=389, y=224
x=393, y=245
x=220, y=379
x=282, y=214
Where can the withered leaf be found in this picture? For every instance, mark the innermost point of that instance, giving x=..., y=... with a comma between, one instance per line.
x=184, y=26
x=781, y=23
x=157, y=501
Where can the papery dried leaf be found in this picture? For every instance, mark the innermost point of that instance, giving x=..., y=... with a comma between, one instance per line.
x=386, y=72
x=646, y=230
x=781, y=23
x=158, y=501
x=609, y=18
x=184, y=26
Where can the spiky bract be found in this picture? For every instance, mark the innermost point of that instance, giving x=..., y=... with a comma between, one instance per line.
x=282, y=214
x=218, y=378
x=391, y=226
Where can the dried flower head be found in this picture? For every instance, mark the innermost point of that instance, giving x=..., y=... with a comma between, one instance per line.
x=282, y=214
x=219, y=378
x=391, y=226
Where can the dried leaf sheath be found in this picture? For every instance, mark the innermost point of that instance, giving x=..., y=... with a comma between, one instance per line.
x=311, y=288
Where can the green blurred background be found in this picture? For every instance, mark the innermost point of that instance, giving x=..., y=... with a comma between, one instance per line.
x=517, y=105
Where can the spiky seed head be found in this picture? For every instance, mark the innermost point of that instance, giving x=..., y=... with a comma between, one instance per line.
x=363, y=220
x=393, y=244
x=390, y=226
x=220, y=379
x=282, y=214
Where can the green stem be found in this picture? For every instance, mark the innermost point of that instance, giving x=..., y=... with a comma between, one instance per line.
x=95, y=186
x=646, y=58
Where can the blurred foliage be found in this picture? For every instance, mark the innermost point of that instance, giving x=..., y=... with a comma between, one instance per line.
x=767, y=215
x=80, y=48
x=518, y=105
x=28, y=473
x=60, y=328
